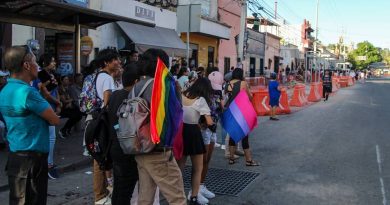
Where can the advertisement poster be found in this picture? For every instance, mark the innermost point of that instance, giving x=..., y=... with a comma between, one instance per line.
x=65, y=55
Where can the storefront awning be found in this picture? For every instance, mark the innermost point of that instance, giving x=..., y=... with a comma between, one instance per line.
x=154, y=37
x=55, y=14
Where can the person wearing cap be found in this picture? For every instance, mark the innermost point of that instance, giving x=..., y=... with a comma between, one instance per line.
x=22, y=104
x=210, y=137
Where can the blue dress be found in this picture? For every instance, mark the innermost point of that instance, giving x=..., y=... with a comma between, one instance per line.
x=274, y=93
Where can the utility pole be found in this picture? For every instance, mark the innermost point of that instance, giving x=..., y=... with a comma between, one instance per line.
x=188, y=35
x=316, y=38
x=276, y=8
x=242, y=32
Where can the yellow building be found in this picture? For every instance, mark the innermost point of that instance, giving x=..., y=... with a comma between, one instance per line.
x=204, y=50
x=205, y=32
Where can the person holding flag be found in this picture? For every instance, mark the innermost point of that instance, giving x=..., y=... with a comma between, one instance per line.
x=159, y=168
x=239, y=118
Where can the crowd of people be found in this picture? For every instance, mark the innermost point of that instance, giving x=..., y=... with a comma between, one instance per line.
x=37, y=98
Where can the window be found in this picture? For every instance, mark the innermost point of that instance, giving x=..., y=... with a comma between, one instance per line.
x=210, y=58
x=194, y=56
x=226, y=64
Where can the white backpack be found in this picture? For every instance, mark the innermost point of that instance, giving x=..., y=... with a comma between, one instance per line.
x=133, y=128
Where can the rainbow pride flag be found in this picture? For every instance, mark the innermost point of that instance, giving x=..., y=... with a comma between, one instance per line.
x=240, y=118
x=166, y=113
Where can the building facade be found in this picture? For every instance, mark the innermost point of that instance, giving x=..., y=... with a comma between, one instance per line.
x=199, y=19
x=229, y=13
x=254, y=53
x=272, y=52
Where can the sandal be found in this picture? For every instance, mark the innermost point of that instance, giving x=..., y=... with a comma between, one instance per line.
x=252, y=163
x=232, y=161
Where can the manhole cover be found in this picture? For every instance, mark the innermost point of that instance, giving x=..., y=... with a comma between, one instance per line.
x=223, y=181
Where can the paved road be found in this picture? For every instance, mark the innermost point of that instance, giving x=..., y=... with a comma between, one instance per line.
x=335, y=152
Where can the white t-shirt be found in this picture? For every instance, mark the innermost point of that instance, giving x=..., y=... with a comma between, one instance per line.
x=104, y=82
x=192, y=113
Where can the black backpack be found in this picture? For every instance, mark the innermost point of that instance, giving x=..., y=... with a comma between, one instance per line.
x=97, y=138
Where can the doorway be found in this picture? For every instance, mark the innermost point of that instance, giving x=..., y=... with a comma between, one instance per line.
x=252, y=67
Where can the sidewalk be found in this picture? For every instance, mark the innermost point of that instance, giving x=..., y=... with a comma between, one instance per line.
x=68, y=155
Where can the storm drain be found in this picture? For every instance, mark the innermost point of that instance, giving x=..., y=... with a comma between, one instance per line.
x=223, y=181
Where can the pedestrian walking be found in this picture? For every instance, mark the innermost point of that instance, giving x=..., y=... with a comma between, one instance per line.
x=196, y=102
x=157, y=168
x=232, y=89
x=326, y=85
x=21, y=104
x=274, y=95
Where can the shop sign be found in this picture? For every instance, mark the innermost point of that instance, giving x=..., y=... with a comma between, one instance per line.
x=65, y=54
x=86, y=45
x=144, y=13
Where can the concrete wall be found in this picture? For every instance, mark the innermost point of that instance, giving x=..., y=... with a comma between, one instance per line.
x=272, y=49
x=229, y=13
x=21, y=34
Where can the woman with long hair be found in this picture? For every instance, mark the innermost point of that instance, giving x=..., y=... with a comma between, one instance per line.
x=196, y=100
x=232, y=89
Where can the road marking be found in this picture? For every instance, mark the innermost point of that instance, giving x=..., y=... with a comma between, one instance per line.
x=379, y=161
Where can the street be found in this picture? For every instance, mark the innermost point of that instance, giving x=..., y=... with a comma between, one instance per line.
x=334, y=152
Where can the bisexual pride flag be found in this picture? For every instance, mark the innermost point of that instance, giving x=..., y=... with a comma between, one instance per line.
x=166, y=113
x=240, y=118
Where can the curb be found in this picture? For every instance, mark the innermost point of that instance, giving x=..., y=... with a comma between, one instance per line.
x=83, y=163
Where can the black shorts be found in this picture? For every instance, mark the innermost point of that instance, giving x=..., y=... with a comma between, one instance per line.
x=327, y=89
x=192, y=140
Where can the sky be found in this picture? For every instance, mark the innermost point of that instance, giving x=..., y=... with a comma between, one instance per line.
x=355, y=20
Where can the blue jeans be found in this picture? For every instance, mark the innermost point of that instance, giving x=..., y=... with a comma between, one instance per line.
x=223, y=134
x=52, y=139
x=3, y=132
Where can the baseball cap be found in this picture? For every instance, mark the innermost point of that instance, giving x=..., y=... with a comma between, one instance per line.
x=216, y=79
x=4, y=73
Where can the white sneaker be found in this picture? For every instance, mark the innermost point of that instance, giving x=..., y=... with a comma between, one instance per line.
x=205, y=192
x=217, y=145
x=105, y=201
x=200, y=198
x=223, y=147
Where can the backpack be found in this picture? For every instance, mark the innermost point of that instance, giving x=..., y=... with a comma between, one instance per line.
x=97, y=139
x=133, y=128
x=89, y=99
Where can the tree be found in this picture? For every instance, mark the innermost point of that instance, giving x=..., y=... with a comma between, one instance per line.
x=385, y=53
x=364, y=49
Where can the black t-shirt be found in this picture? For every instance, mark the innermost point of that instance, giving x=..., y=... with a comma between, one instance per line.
x=116, y=100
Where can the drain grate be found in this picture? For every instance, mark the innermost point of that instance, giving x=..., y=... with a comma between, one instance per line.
x=223, y=181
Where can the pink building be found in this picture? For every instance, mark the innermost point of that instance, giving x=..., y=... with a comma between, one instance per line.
x=229, y=13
